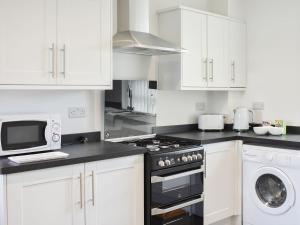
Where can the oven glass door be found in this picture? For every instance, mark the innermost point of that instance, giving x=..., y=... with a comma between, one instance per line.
x=18, y=135
x=170, y=188
x=187, y=213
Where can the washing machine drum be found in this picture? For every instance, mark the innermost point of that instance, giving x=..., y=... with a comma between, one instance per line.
x=272, y=191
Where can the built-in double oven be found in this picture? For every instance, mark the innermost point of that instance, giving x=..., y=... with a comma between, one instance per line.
x=175, y=195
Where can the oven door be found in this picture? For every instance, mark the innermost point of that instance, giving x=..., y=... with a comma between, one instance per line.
x=23, y=135
x=170, y=187
x=186, y=213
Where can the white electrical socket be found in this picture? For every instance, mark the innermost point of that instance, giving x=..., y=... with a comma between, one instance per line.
x=258, y=105
x=200, y=106
x=76, y=112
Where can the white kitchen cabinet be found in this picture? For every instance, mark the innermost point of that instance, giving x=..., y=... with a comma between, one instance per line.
x=237, y=54
x=47, y=197
x=84, y=42
x=205, y=37
x=118, y=196
x=58, y=44
x=222, y=182
x=217, y=45
x=184, y=71
x=96, y=193
x=27, y=32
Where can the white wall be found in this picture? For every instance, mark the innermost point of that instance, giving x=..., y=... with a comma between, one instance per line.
x=178, y=107
x=18, y=102
x=273, y=46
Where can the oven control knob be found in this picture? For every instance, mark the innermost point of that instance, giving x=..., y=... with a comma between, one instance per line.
x=168, y=162
x=190, y=158
x=184, y=159
x=161, y=163
x=55, y=137
x=194, y=157
x=199, y=156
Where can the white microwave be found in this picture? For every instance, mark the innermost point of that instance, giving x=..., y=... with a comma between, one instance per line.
x=29, y=133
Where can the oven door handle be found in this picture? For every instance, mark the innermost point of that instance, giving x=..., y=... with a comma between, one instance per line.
x=157, y=179
x=158, y=211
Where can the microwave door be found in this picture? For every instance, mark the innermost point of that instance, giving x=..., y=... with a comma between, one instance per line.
x=21, y=135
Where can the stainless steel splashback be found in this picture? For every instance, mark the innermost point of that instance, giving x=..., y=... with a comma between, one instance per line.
x=130, y=108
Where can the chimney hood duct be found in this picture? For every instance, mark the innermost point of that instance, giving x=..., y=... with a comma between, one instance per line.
x=133, y=35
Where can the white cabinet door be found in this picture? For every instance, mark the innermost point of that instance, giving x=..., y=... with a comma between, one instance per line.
x=221, y=182
x=46, y=197
x=115, y=192
x=84, y=42
x=237, y=54
x=217, y=39
x=27, y=32
x=194, y=36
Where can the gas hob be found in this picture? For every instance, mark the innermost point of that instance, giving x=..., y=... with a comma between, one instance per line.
x=159, y=144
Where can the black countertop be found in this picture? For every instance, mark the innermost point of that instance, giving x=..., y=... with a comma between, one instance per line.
x=82, y=153
x=79, y=153
x=286, y=141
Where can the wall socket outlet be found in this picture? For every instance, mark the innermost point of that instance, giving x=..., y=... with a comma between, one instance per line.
x=258, y=106
x=200, y=106
x=76, y=112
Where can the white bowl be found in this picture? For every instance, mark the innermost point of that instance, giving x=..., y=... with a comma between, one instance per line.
x=261, y=130
x=276, y=130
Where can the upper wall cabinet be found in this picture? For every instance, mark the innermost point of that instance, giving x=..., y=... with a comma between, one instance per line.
x=56, y=43
x=237, y=56
x=208, y=63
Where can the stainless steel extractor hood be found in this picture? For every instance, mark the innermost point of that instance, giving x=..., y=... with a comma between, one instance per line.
x=133, y=35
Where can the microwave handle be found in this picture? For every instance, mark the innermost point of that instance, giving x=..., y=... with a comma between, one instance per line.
x=47, y=134
x=158, y=211
x=157, y=179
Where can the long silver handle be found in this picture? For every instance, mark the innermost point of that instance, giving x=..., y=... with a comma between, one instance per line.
x=81, y=190
x=205, y=163
x=211, y=62
x=52, y=50
x=205, y=62
x=233, y=71
x=157, y=179
x=63, y=50
x=93, y=188
x=158, y=211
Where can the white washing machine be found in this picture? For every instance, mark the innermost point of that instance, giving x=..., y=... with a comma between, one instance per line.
x=271, y=185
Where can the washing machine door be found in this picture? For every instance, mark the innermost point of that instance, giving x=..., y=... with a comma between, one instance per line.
x=272, y=191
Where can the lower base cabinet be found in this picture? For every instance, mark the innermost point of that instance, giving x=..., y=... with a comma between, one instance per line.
x=222, y=183
x=108, y=192
x=118, y=197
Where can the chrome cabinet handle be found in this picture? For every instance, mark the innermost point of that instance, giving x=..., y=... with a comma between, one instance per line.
x=211, y=62
x=52, y=51
x=233, y=71
x=157, y=179
x=205, y=163
x=63, y=50
x=205, y=62
x=93, y=188
x=158, y=211
x=81, y=190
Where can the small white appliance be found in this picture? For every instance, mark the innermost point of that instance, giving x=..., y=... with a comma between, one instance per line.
x=211, y=122
x=241, y=119
x=29, y=133
x=271, y=185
